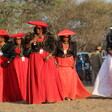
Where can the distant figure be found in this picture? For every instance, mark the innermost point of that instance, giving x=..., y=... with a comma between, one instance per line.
x=87, y=69
x=96, y=62
x=103, y=83
x=103, y=52
x=79, y=68
x=109, y=40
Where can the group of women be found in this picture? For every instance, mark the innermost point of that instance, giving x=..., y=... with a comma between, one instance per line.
x=39, y=69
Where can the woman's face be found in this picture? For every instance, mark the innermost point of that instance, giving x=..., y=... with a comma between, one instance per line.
x=39, y=30
x=18, y=40
x=2, y=39
x=65, y=39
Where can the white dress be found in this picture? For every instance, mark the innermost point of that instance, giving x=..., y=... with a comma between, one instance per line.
x=103, y=83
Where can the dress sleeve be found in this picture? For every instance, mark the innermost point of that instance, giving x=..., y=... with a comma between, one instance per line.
x=52, y=44
x=9, y=51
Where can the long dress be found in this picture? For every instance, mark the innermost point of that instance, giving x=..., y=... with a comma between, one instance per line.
x=2, y=60
x=72, y=87
x=43, y=82
x=11, y=90
x=103, y=83
x=21, y=66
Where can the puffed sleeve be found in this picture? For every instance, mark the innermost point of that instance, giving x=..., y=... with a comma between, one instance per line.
x=52, y=44
x=8, y=51
x=28, y=38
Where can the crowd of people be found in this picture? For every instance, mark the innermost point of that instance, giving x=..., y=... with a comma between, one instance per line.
x=39, y=69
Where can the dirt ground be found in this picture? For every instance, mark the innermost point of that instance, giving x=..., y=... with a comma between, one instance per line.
x=92, y=104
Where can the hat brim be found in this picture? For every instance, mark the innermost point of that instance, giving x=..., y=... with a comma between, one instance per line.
x=18, y=35
x=38, y=23
x=66, y=32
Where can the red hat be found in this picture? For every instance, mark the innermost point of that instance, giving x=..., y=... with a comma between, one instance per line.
x=66, y=32
x=18, y=35
x=3, y=33
x=38, y=23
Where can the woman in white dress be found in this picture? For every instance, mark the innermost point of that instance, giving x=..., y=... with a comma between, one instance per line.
x=103, y=83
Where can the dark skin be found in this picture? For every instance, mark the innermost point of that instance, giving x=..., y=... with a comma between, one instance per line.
x=39, y=34
x=18, y=42
x=2, y=42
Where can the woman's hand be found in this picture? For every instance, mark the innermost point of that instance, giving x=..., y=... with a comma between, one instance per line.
x=29, y=44
x=74, y=65
x=4, y=65
x=47, y=57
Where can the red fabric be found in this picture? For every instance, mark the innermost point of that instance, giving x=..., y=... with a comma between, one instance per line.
x=11, y=90
x=21, y=72
x=71, y=85
x=65, y=46
x=43, y=81
x=4, y=33
x=21, y=67
x=38, y=23
x=17, y=50
x=2, y=60
x=40, y=39
x=66, y=32
x=18, y=35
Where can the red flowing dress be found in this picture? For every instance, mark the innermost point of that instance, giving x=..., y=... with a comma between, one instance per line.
x=2, y=60
x=43, y=82
x=21, y=67
x=72, y=87
x=11, y=89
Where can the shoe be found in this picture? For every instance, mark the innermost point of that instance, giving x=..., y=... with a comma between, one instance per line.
x=47, y=102
x=68, y=99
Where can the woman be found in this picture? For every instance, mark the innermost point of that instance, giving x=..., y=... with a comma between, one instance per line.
x=43, y=84
x=20, y=62
x=72, y=87
x=103, y=83
x=5, y=58
x=79, y=68
x=9, y=84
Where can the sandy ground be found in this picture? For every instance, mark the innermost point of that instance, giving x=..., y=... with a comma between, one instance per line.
x=92, y=104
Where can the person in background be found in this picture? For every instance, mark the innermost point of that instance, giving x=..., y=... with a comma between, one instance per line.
x=96, y=62
x=109, y=40
x=79, y=68
x=103, y=52
x=72, y=87
x=87, y=65
x=43, y=84
x=103, y=82
x=20, y=62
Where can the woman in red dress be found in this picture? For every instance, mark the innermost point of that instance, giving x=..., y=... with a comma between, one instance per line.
x=72, y=87
x=20, y=62
x=42, y=83
x=9, y=89
x=3, y=59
